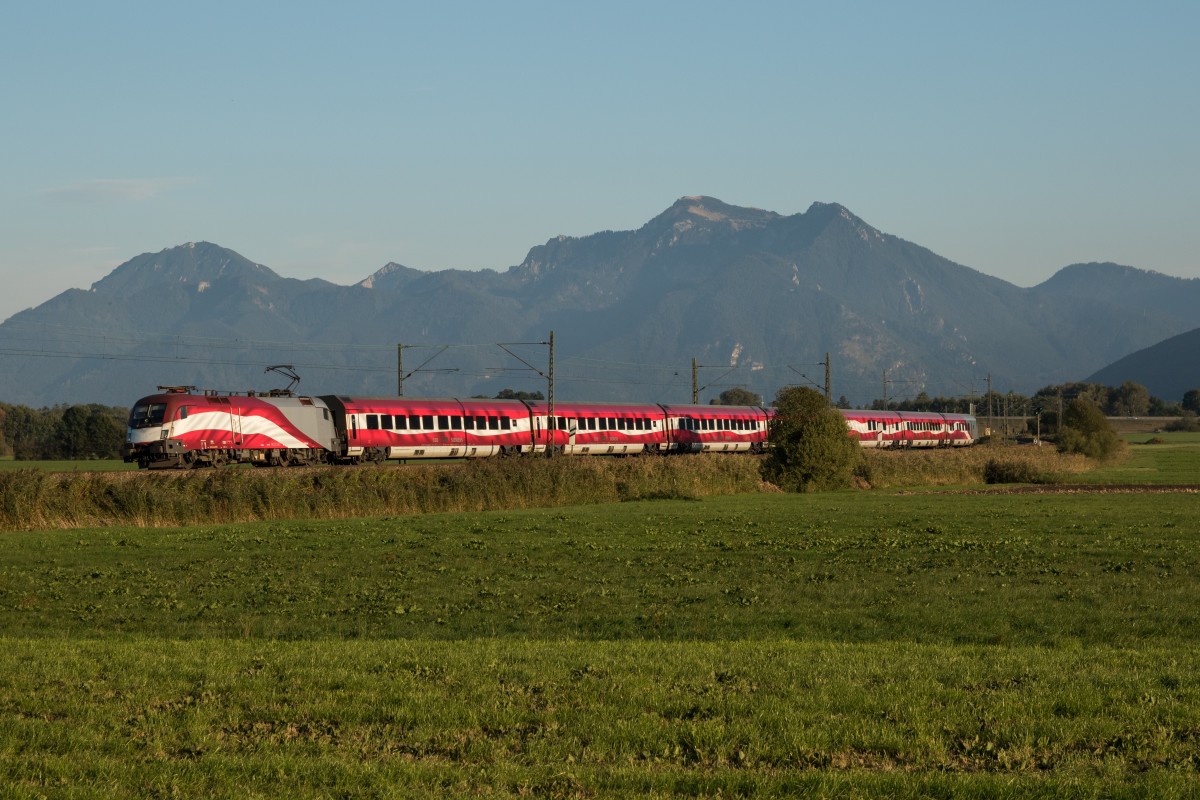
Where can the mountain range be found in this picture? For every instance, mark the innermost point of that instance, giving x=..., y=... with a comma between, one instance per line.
x=756, y=298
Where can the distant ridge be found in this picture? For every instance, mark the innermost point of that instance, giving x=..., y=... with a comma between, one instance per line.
x=1168, y=369
x=756, y=297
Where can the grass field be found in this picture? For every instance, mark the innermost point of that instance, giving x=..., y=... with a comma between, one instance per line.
x=1163, y=458
x=854, y=644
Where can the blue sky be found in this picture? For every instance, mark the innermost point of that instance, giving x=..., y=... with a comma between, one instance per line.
x=325, y=140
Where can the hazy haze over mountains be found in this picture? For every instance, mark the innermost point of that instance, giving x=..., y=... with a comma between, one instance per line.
x=755, y=297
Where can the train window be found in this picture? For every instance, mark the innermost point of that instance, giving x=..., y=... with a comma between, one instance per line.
x=372, y=422
x=468, y=423
x=591, y=423
x=183, y=412
x=427, y=422
x=640, y=424
x=562, y=423
x=612, y=423
x=401, y=422
x=505, y=424
x=493, y=423
x=456, y=423
x=325, y=413
x=414, y=422
x=385, y=421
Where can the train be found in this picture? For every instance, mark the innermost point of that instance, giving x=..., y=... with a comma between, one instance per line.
x=181, y=427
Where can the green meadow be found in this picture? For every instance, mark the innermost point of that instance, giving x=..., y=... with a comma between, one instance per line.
x=853, y=644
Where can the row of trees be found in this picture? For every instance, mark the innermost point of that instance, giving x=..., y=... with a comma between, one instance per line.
x=1127, y=400
x=61, y=432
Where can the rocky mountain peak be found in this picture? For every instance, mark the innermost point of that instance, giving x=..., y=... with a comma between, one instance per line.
x=390, y=276
x=195, y=264
x=701, y=211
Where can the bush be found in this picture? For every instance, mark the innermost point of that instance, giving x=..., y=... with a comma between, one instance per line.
x=1188, y=423
x=1086, y=430
x=997, y=471
x=811, y=447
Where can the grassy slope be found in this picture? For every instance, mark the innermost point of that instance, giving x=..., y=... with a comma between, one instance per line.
x=856, y=644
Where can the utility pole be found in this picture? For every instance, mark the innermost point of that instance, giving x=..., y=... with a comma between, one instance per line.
x=885, y=403
x=828, y=395
x=695, y=383
x=989, y=399
x=400, y=370
x=550, y=400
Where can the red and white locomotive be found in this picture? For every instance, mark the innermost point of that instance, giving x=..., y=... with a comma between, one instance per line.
x=182, y=428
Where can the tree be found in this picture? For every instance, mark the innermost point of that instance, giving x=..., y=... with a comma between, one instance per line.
x=509, y=394
x=104, y=434
x=737, y=396
x=811, y=447
x=30, y=433
x=1191, y=401
x=70, y=433
x=1129, y=400
x=1085, y=430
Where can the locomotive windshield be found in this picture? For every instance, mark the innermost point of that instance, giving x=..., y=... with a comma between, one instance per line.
x=147, y=415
